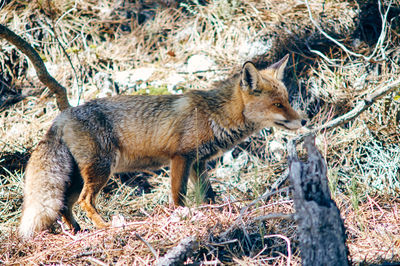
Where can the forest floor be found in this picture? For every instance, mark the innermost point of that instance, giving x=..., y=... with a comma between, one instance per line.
x=340, y=53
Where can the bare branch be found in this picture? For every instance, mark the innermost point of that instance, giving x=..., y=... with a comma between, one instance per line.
x=147, y=244
x=360, y=107
x=267, y=194
x=287, y=240
x=41, y=70
x=378, y=45
x=273, y=216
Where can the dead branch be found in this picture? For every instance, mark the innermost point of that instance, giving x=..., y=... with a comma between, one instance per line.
x=41, y=70
x=273, y=216
x=273, y=191
x=179, y=254
x=147, y=244
x=269, y=193
x=360, y=107
x=321, y=231
x=378, y=45
x=287, y=240
x=96, y=261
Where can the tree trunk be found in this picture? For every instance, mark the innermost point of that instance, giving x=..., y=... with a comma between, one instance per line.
x=321, y=231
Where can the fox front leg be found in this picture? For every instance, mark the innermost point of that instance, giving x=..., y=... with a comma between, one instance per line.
x=180, y=169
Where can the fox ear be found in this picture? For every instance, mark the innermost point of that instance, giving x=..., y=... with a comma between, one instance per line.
x=278, y=68
x=249, y=77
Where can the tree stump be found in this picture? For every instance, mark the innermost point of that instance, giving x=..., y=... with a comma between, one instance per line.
x=321, y=231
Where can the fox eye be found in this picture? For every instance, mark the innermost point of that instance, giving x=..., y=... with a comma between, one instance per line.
x=279, y=105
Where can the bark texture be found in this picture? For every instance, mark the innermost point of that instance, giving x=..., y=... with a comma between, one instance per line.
x=321, y=231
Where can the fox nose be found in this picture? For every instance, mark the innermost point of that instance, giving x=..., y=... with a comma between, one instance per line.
x=303, y=122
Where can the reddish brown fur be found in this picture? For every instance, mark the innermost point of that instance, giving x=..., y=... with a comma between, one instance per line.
x=87, y=144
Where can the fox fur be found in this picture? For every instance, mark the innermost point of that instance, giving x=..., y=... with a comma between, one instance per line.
x=87, y=144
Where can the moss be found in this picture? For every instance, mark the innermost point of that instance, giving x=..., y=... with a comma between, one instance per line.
x=151, y=90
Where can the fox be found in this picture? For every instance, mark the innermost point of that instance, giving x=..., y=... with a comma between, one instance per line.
x=87, y=144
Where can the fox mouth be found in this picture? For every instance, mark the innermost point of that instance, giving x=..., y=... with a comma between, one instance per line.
x=284, y=124
x=281, y=124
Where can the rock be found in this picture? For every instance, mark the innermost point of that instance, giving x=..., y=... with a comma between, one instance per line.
x=118, y=221
x=231, y=166
x=173, y=81
x=250, y=50
x=276, y=149
x=104, y=84
x=129, y=78
x=199, y=62
x=227, y=159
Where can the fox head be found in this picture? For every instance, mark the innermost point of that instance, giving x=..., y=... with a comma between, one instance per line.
x=265, y=97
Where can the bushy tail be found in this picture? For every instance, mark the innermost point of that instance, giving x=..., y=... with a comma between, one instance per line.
x=46, y=178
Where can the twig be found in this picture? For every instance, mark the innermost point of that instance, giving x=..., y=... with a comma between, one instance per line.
x=327, y=35
x=377, y=46
x=289, y=250
x=86, y=254
x=41, y=70
x=382, y=36
x=273, y=216
x=203, y=71
x=320, y=54
x=2, y=4
x=148, y=245
x=269, y=193
x=225, y=242
x=65, y=231
x=96, y=261
x=53, y=29
x=85, y=236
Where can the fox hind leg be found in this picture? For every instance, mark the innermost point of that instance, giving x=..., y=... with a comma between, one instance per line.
x=71, y=196
x=95, y=176
x=69, y=219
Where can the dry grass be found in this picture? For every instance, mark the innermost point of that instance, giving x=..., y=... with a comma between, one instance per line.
x=363, y=156
x=163, y=229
